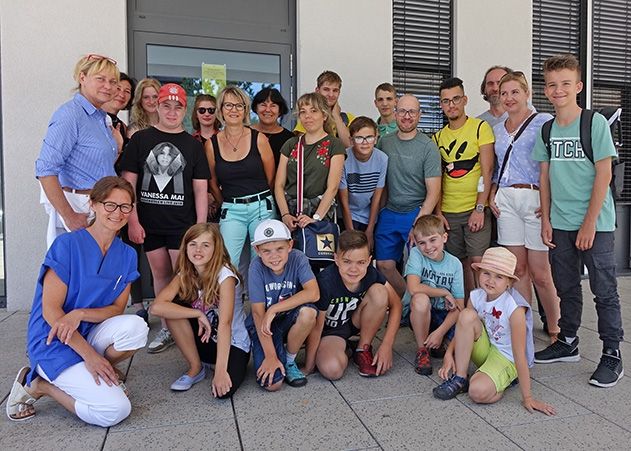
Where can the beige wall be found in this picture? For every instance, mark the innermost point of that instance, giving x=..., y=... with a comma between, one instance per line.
x=350, y=37
x=489, y=32
x=40, y=43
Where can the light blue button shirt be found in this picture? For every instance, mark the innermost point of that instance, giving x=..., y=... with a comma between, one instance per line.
x=79, y=147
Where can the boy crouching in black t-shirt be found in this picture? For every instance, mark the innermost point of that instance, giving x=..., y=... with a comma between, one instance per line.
x=354, y=299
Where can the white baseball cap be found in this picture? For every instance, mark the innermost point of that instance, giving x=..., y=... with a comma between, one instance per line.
x=270, y=230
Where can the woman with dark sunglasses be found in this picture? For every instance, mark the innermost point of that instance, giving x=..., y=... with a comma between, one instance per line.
x=204, y=118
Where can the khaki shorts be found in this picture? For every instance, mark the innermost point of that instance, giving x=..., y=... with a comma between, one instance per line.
x=462, y=242
x=493, y=363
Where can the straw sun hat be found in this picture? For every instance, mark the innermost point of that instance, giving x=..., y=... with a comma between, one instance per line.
x=498, y=260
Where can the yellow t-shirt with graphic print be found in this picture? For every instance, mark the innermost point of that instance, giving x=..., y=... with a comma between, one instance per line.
x=460, y=154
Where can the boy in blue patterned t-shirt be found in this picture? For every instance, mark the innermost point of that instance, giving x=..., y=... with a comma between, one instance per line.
x=435, y=290
x=363, y=179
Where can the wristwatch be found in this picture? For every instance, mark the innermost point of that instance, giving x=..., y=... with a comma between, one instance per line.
x=479, y=208
x=316, y=217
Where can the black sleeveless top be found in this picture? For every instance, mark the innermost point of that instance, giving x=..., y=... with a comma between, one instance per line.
x=240, y=178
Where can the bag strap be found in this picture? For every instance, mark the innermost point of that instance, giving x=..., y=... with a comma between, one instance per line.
x=587, y=117
x=510, y=147
x=300, y=168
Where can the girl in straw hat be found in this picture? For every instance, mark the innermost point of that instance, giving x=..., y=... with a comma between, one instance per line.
x=495, y=332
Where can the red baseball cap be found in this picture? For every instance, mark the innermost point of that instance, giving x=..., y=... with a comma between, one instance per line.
x=172, y=91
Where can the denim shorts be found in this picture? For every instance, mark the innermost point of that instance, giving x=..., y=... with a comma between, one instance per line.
x=280, y=328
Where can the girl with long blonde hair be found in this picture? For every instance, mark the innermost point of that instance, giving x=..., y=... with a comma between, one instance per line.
x=204, y=312
x=144, y=107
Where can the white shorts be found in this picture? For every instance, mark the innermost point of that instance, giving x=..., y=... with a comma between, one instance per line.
x=102, y=405
x=518, y=225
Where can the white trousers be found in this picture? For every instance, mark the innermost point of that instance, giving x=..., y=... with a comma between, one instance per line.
x=102, y=405
x=56, y=226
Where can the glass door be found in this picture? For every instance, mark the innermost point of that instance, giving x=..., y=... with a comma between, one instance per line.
x=205, y=65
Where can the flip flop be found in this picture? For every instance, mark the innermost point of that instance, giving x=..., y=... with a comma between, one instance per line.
x=19, y=399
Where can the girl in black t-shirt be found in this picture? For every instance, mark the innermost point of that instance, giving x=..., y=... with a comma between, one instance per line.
x=169, y=170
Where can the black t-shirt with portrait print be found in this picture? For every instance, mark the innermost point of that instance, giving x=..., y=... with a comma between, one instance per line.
x=166, y=164
x=337, y=300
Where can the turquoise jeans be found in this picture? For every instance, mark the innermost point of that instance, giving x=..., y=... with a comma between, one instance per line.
x=238, y=221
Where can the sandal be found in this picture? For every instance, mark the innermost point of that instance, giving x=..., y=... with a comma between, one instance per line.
x=20, y=401
x=122, y=377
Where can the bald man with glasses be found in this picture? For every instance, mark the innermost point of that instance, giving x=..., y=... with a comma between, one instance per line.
x=412, y=187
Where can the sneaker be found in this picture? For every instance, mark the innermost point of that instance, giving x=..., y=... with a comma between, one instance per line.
x=162, y=342
x=451, y=388
x=609, y=370
x=559, y=351
x=423, y=363
x=363, y=359
x=293, y=375
x=144, y=314
x=185, y=381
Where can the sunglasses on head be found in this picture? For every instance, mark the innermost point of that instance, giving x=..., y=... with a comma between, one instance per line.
x=96, y=57
x=202, y=110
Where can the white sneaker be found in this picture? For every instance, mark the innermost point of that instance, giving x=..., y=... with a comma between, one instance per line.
x=162, y=342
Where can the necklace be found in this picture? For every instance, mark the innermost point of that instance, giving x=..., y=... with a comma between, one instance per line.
x=516, y=129
x=234, y=146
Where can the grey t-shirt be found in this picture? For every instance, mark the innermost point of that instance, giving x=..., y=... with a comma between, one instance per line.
x=410, y=162
x=492, y=120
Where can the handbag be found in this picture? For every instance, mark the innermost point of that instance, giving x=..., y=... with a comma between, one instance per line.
x=317, y=240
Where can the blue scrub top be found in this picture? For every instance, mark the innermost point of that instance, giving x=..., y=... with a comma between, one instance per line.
x=93, y=280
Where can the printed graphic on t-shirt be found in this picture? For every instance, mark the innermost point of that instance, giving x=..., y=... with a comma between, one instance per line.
x=340, y=310
x=493, y=324
x=362, y=183
x=278, y=291
x=164, y=167
x=456, y=161
x=566, y=149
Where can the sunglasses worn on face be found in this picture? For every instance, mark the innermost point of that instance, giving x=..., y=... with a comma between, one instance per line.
x=202, y=110
x=111, y=207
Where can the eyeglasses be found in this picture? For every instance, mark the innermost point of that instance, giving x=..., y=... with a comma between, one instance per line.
x=211, y=110
x=401, y=112
x=230, y=106
x=364, y=139
x=111, y=207
x=94, y=56
x=455, y=100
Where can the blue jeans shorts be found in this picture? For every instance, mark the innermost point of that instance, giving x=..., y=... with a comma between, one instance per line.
x=280, y=328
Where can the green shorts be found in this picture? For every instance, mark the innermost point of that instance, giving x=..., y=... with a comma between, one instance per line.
x=493, y=363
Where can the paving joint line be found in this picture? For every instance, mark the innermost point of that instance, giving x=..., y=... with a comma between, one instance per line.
x=585, y=407
x=357, y=416
x=236, y=423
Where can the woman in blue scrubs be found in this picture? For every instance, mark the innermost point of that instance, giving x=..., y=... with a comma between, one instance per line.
x=77, y=332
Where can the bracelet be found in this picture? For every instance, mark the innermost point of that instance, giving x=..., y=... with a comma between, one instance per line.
x=283, y=215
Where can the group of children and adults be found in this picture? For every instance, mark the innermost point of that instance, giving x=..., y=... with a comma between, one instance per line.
x=427, y=210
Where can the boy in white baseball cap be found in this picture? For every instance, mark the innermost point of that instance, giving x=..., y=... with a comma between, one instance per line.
x=282, y=290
